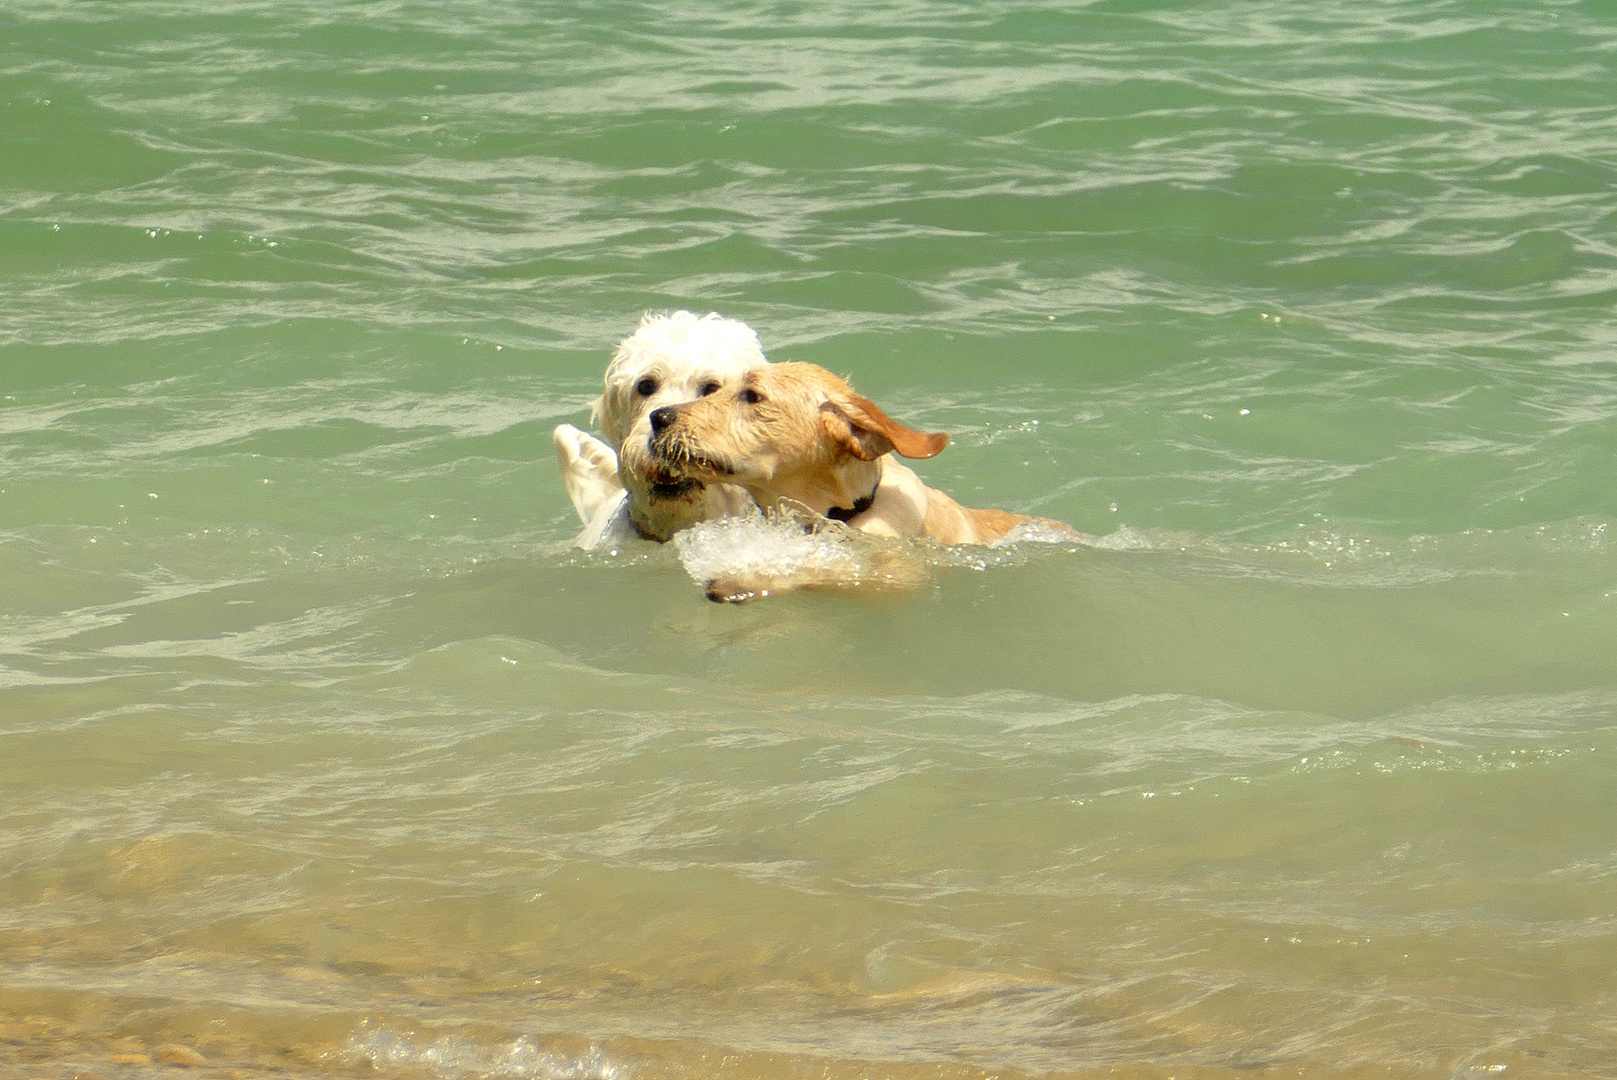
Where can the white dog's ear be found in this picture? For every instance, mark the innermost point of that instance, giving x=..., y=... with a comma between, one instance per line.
x=611, y=415
x=867, y=433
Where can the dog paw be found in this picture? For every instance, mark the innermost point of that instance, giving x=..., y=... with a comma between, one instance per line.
x=734, y=591
x=589, y=471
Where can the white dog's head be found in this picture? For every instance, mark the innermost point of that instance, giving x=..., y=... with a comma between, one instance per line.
x=672, y=358
x=669, y=360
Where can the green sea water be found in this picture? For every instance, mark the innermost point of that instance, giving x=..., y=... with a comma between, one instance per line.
x=322, y=755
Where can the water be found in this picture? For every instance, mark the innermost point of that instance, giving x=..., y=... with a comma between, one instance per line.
x=321, y=755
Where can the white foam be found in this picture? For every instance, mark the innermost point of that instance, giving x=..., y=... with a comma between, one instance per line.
x=458, y=1056
x=774, y=546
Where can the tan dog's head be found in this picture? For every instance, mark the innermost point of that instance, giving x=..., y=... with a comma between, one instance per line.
x=786, y=431
x=671, y=358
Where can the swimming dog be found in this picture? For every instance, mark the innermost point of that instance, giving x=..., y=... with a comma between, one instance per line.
x=795, y=437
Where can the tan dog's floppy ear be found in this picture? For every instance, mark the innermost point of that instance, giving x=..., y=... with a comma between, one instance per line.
x=867, y=433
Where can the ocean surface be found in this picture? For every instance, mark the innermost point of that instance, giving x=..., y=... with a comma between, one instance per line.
x=322, y=755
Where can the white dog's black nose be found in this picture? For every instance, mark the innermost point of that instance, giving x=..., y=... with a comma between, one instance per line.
x=661, y=418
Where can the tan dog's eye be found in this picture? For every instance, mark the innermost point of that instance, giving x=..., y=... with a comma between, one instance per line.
x=707, y=388
x=646, y=387
x=751, y=396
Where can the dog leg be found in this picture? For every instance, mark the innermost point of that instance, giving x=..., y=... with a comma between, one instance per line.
x=742, y=588
x=589, y=471
x=610, y=525
x=883, y=570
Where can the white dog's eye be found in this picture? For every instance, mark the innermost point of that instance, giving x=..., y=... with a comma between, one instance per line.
x=751, y=396
x=707, y=388
x=646, y=387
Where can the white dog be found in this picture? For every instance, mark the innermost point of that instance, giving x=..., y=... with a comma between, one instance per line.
x=616, y=486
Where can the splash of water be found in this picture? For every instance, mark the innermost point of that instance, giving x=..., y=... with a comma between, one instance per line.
x=458, y=1055
x=773, y=545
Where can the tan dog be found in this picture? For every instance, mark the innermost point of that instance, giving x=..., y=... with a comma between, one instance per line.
x=795, y=434
x=671, y=358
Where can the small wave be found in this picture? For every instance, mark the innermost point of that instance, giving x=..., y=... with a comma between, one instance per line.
x=459, y=1055
x=780, y=551
x=1034, y=532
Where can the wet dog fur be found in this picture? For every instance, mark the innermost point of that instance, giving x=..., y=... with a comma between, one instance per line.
x=795, y=436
